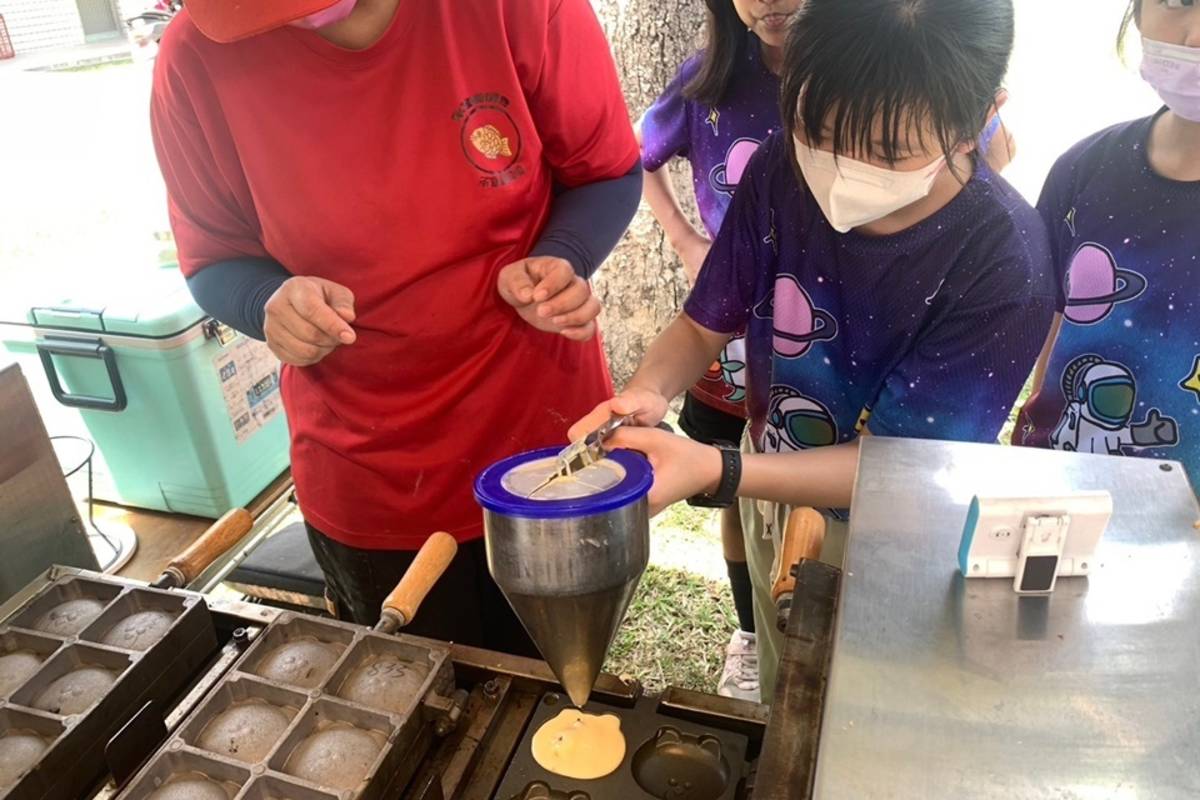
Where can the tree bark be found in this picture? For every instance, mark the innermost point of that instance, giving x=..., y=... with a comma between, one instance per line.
x=642, y=285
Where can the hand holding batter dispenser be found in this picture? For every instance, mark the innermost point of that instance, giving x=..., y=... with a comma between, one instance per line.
x=567, y=547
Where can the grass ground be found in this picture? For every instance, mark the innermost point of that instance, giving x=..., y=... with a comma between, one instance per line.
x=682, y=615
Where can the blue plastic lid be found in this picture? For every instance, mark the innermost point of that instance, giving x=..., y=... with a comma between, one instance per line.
x=491, y=493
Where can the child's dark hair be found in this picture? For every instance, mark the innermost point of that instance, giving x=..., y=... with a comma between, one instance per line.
x=726, y=35
x=1131, y=16
x=937, y=62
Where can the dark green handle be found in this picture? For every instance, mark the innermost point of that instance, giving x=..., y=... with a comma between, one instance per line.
x=83, y=348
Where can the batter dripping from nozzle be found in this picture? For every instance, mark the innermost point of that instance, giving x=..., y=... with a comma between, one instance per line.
x=580, y=746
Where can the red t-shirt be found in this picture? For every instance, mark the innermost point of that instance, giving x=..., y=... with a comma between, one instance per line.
x=410, y=172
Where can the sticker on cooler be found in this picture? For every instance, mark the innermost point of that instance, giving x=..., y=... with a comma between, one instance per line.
x=249, y=375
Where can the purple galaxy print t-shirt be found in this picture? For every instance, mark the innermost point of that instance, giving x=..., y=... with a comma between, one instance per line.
x=927, y=333
x=717, y=141
x=1124, y=375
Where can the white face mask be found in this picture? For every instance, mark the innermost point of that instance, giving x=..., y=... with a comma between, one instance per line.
x=853, y=193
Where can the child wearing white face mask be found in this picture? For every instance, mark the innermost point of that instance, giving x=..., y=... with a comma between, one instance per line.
x=721, y=105
x=886, y=278
x=1120, y=373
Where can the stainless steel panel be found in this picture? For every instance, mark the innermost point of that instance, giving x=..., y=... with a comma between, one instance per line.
x=39, y=523
x=945, y=688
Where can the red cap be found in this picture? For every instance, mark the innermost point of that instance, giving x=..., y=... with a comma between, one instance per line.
x=227, y=21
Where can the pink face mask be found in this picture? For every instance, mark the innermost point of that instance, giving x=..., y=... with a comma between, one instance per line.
x=1174, y=72
x=335, y=13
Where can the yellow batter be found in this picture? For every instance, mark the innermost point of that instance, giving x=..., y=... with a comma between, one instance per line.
x=580, y=746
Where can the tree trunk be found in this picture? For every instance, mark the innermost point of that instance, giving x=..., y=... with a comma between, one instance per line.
x=642, y=285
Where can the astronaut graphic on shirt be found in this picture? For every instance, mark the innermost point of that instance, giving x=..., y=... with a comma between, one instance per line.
x=1101, y=396
x=795, y=422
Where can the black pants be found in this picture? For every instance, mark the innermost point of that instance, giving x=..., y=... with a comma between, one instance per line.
x=465, y=606
x=708, y=425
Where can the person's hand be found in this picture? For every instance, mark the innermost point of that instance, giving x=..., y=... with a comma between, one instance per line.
x=307, y=318
x=646, y=407
x=682, y=468
x=548, y=295
x=692, y=250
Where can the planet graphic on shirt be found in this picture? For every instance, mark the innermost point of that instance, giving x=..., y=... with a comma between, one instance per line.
x=798, y=323
x=1095, y=285
x=726, y=176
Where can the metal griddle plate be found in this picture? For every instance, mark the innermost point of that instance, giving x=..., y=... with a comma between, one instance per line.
x=305, y=689
x=165, y=638
x=664, y=757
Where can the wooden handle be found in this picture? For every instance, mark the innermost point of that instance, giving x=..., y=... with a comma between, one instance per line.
x=221, y=535
x=431, y=561
x=802, y=539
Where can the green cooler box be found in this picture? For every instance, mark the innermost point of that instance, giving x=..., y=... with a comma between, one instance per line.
x=185, y=412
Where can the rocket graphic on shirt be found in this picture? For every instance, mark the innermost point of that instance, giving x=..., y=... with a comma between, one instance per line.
x=713, y=120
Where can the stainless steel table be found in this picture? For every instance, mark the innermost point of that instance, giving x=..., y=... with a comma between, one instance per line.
x=945, y=688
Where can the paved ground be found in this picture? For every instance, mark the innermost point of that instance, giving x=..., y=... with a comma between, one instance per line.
x=80, y=196
x=108, y=50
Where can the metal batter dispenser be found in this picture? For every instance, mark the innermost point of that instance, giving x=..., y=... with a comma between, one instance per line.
x=568, y=537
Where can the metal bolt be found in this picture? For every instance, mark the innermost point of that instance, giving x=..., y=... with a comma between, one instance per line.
x=1165, y=467
x=241, y=638
x=491, y=689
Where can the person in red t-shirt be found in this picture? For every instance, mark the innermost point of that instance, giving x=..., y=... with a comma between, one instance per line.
x=405, y=200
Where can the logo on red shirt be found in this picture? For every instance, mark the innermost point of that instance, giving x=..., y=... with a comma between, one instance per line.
x=490, y=139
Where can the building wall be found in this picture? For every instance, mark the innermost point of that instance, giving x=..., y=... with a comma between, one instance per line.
x=41, y=24
x=129, y=8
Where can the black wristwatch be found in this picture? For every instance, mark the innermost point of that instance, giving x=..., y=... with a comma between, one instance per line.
x=731, y=479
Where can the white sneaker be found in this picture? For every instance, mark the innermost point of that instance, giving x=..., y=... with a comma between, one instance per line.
x=740, y=677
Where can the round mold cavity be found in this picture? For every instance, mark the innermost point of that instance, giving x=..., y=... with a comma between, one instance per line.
x=139, y=631
x=190, y=786
x=680, y=766
x=19, y=752
x=15, y=668
x=384, y=681
x=69, y=618
x=301, y=662
x=246, y=731
x=76, y=691
x=541, y=791
x=338, y=756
